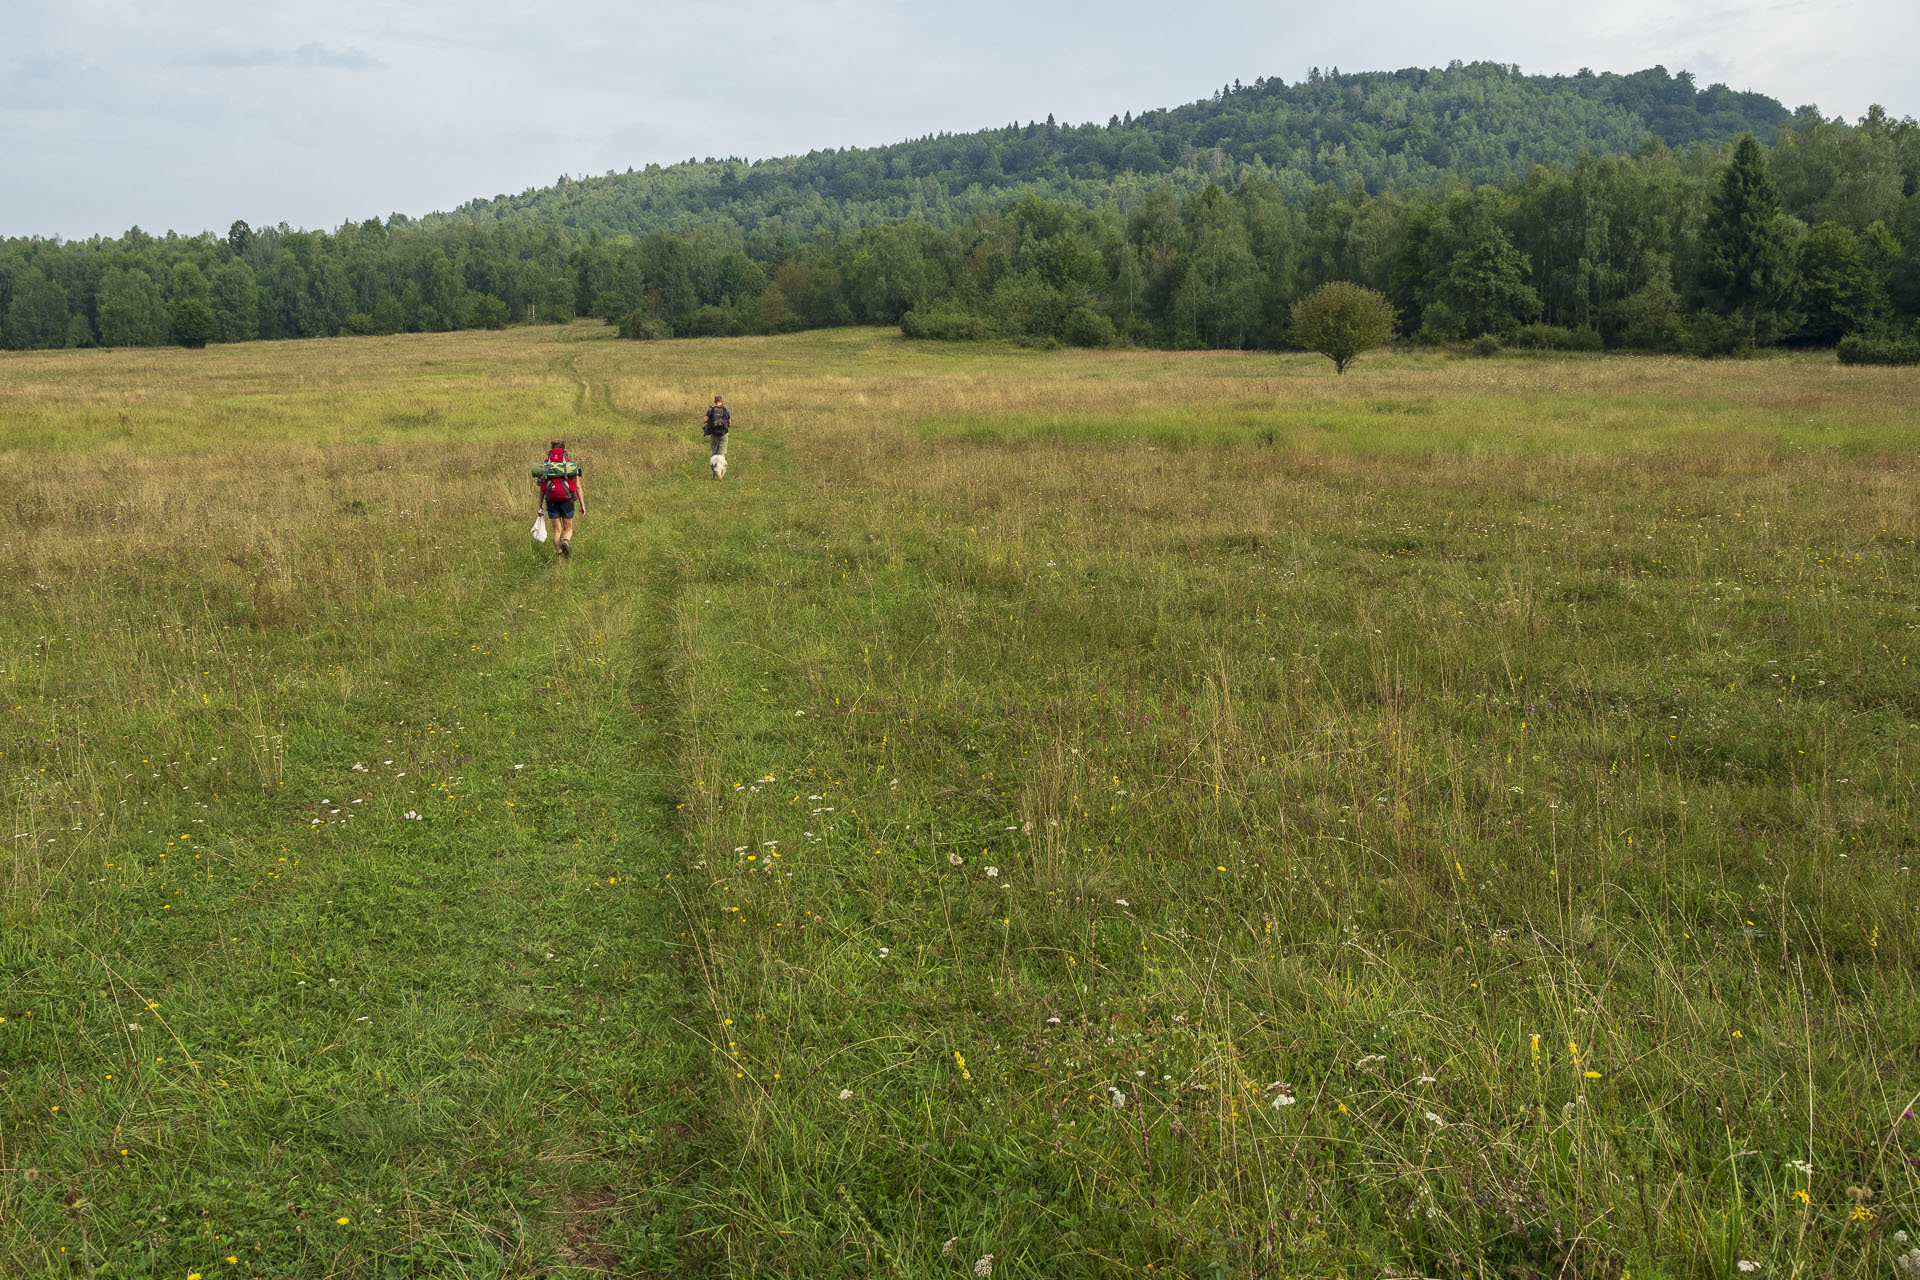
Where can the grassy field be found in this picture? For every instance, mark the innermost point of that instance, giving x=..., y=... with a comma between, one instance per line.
x=1071, y=814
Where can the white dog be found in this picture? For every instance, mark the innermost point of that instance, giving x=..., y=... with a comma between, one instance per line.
x=718, y=462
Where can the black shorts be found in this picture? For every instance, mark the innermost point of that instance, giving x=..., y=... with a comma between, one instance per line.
x=559, y=510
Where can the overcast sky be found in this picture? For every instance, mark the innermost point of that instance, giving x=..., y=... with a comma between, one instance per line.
x=186, y=116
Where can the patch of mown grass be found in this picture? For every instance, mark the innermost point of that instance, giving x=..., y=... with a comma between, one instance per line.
x=1111, y=811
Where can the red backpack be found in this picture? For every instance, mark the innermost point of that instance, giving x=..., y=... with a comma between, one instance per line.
x=560, y=484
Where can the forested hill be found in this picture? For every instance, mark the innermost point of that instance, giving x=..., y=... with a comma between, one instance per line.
x=1400, y=130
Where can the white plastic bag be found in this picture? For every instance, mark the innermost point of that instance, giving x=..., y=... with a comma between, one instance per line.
x=540, y=528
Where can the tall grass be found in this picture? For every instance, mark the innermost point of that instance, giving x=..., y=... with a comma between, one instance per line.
x=1113, y=812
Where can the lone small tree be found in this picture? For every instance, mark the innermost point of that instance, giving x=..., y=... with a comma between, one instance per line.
x=1341, y=319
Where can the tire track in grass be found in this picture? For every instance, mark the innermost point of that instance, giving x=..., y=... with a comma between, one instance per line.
x=660, y=1227
x=458, y=1041
x=577, y=879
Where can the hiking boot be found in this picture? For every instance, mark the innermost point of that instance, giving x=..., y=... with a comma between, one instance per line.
x=566, y=547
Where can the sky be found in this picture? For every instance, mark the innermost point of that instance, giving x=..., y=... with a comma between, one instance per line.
x=180, y=115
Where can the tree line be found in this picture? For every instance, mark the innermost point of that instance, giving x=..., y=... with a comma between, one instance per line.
x=1710, y=249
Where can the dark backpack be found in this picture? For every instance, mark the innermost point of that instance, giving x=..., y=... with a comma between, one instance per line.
x=718, y=420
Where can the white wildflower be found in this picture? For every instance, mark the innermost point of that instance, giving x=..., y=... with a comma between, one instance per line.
x=1121, y=902
x=946, y=1250
x=1748, y=1264
x=1283, y=1100
x=1800, y=1166
x=955, y=859
x=845, y=1094
x=1119, y=1098
x=1372, y=1062
x=993, y=873
x=1436, y=1121
x=984, y=1267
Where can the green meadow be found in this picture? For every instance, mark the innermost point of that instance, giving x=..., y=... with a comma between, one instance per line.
x=1093, y=813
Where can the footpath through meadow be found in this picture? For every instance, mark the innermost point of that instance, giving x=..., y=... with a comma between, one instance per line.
x=423, y=1006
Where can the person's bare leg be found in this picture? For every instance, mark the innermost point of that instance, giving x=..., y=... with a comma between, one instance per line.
x=566, y=534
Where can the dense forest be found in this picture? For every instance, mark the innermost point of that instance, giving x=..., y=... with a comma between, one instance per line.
x=1376, y=131
x=1574, y=211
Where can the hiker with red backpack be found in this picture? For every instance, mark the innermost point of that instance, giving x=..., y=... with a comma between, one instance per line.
x=557, y=481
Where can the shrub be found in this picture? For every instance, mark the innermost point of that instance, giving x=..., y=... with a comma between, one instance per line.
x=944, y=324
x=1086, y=327
x=194, y=323
x=1649, y=318
x=1341, y=319
x=1712, y=336
x=1553, y=337
x=1485, y=345
x=708, y=322
x=1438, y=324
x=484, y=311
x=642, y=325
x=1857, y=348
x=1024, y=308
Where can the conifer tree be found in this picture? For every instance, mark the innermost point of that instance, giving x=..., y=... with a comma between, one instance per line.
x=1746, y=266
